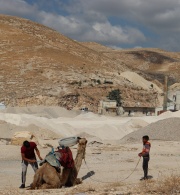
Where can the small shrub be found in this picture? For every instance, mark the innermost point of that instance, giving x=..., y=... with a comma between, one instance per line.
x=98, y=81
x=115, y=95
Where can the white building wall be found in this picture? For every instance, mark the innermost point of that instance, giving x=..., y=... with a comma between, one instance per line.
x=178, y=100
x=2, y=106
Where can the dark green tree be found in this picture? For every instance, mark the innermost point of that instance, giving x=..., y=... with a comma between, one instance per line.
x=98, y=81
x=115, y=95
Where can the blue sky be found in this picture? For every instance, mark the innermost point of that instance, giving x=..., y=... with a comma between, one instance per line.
x=115, y=23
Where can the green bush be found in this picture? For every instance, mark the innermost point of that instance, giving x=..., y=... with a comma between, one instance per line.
x=115, y=95
x=98, y=81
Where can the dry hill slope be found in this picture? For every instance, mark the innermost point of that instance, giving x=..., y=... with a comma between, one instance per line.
x=40, y=66
x=154, y=62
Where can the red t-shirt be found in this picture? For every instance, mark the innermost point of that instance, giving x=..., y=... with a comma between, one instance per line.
x=29, y=152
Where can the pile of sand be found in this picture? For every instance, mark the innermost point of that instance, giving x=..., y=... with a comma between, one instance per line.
x=139, y=81
x=105, y=128
x=42, y=111
x=101, y=127
x=90, y=116
x=8, y=130
x=169, y=114
x=175, y=86
x=167, y=130
x=56, y=125
x=135, y=123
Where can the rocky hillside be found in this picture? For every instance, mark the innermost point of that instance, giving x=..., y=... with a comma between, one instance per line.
x=39, y=66
x=154, y=62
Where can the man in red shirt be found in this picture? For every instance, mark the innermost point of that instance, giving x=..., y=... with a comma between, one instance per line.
x=28, y=157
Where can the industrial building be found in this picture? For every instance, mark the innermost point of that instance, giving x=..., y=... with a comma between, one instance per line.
x=107, y=106
x=2, y=106
x=177, y=101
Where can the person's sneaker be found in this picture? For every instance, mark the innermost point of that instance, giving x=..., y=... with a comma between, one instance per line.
x=143, y=178
x=22, y=186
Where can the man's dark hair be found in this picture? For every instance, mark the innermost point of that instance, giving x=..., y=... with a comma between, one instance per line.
x=146, y=137
x=26, y=144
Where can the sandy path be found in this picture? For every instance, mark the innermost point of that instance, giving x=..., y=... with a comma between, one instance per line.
x=110, y=164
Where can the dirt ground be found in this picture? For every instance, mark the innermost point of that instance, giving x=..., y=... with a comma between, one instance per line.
x=108, y=164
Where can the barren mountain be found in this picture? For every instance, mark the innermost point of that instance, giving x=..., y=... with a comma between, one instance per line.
x=39, y=66
x=152, y=61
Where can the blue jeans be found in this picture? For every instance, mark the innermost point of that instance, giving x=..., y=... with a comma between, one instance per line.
x=145, y=166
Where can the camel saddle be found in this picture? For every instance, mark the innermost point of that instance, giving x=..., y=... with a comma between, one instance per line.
x=53, y=159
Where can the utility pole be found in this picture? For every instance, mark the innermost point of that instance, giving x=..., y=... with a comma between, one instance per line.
x=165, y=93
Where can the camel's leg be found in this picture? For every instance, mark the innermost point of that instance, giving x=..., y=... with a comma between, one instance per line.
x=50, y=186
x=65, y=175
x=55, y=183
x=72, y=177
x=46, y=177
x=78, y=181
x=51, y=180
x=37, y=179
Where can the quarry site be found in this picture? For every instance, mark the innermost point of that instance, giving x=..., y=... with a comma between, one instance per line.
x=53, y=87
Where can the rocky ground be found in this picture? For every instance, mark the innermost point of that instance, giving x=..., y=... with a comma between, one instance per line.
x=110, y=159
x=110, y=164
x=46, y=68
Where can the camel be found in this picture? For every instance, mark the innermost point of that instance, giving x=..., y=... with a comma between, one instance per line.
x=47, y=177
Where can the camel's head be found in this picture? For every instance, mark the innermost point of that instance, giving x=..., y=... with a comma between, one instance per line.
x=82, y=141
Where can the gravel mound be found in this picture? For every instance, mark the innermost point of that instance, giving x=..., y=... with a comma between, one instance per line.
x=167, y=130
x=42, y=111
x=7, y=131
x=139, y=80
x=169, y=114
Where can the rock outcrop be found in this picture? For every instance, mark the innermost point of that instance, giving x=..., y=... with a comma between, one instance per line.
x=20, y=137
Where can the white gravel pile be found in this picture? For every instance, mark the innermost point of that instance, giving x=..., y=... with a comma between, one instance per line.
x=167, y=130
x=105, y=128
x=42, y=111
x=102, y=127
x=139, y=80
x=7, y=131
x=169, y=114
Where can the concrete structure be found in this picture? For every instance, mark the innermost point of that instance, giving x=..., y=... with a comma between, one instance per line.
x=106, y=106
x=173, y=103
x=177, y=101
x=165, y=93
x=159, y=110
x=173, y=100
x=110, y=106
x=139, y=110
